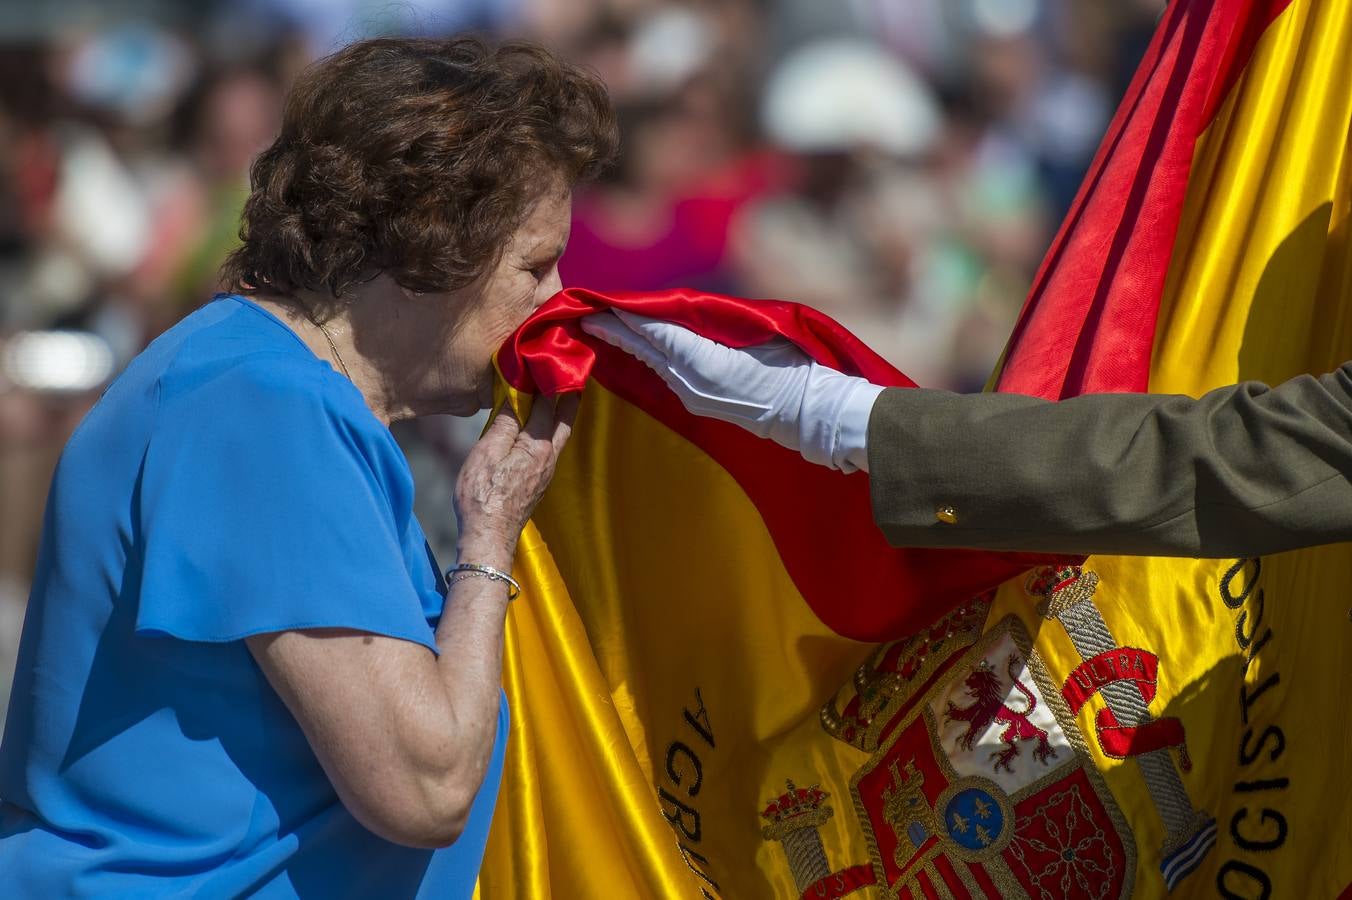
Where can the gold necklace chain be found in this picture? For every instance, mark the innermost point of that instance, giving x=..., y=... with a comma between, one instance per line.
x=336, y=355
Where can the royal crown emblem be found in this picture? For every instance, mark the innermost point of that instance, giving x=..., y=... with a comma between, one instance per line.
x=794, y=817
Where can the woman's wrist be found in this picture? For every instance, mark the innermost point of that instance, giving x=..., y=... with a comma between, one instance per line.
x=486, y=550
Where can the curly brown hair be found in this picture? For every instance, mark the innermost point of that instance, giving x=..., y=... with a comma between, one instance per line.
x=417, y=158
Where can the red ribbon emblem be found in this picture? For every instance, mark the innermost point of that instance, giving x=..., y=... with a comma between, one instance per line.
x=1120, y=741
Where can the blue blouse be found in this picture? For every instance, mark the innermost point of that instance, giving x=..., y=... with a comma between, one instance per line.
x=229, y=483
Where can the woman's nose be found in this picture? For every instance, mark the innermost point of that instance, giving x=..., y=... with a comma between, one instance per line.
x=551, y=285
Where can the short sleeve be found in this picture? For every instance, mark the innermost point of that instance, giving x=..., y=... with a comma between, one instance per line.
x=270, y=499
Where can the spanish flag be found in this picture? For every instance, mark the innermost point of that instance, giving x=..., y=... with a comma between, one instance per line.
x=724, y=684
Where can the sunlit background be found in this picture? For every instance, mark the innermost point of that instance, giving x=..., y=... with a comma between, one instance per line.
x=899, y=164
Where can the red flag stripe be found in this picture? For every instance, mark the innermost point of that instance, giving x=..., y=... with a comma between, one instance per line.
x=870, y=591
x=956, y=888
x=1095, y=299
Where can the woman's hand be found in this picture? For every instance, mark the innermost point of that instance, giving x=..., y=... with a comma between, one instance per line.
x=505, y=475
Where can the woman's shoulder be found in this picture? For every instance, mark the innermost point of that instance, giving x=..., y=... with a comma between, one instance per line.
x=239, y=365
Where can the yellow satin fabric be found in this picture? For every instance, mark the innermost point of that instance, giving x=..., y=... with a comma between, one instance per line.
x=673, y=586
x=1260, y=287
x=658, y=580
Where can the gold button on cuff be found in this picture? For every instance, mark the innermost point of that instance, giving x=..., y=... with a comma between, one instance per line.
x=946, y=514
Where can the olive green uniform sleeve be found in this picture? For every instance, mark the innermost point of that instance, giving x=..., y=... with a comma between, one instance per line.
x=1244, y=470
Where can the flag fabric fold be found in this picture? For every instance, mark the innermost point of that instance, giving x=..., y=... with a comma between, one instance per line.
x=725, y=685
x=1092, y=307
x=693, y=594
x=551, y=354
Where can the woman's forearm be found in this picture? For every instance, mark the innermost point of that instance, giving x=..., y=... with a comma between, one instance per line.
x=469, y=669
x=405, y=736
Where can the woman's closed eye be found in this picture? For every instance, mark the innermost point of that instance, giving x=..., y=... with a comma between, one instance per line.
x=542, y=266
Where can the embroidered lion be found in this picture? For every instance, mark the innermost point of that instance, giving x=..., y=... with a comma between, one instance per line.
x=985, y=688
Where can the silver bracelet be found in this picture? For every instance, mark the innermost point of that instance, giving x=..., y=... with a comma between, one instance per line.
x=471, y=570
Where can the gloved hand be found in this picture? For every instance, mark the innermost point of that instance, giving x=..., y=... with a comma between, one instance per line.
x=772, y=390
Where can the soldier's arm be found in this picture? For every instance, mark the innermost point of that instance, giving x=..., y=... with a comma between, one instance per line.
x=1244, y=470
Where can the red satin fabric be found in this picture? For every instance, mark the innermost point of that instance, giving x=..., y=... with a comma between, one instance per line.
x=550, y=354
x=820, y=519
x=1088, y=326
x=1089, y=323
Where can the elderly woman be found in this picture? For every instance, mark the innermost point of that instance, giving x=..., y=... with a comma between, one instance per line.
x=242, y=672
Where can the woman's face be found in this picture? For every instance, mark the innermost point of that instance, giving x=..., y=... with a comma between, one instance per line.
x=527, y=274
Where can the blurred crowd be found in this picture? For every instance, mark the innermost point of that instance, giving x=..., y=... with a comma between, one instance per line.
x=900, y=164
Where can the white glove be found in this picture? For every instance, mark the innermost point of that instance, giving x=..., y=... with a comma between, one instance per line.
x=772, y=390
